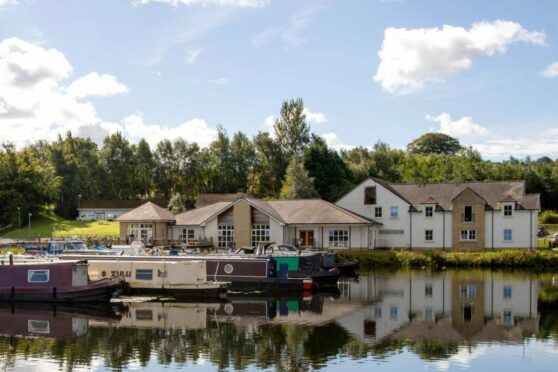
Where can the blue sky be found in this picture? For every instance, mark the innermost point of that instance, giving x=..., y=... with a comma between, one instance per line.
x=481, y=71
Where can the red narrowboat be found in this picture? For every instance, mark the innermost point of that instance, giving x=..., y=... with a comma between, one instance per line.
x=62, y=282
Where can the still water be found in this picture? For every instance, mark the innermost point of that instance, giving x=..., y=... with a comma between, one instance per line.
x=402, y=321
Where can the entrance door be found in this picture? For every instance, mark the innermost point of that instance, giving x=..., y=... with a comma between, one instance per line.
x=306, y=239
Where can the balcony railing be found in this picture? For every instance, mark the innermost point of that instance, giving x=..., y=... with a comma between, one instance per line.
x=468, y=218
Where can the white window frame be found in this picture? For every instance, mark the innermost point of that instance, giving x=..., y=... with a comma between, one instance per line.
x=507, y=292
x=394, y=212
x=428, y=290
x=141, y=231
x=225, y=236
x=429, y=233
x=186, y=235
x=507, y=317
x=506, y=237
x=468, y=235
x=429, y=211
x=338, y=238
x=378, y=212
x=260, y=233
x=31, y=272
x=468, y=291
x=508, y=210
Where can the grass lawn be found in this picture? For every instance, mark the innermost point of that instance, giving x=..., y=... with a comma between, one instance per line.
x=47, y=224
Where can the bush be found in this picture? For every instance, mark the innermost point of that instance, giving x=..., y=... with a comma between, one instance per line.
x=548, y=217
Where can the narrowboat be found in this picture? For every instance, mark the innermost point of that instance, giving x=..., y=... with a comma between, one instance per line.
x=47, y=281
x=186, y=279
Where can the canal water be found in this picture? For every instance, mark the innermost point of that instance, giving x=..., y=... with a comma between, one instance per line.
x=399, y=321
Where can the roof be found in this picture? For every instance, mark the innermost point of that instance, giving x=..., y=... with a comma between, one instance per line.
x=491, y=191
x=289, y=212
x=199, y=215
x=430, y=200
x=147, y=212
x=115, y=204
x=508, y=198
x=208, y=199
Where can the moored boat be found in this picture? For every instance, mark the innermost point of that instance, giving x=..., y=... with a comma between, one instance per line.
x=47, y=281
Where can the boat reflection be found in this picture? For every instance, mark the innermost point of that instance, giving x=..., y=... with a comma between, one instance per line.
x=444, y=307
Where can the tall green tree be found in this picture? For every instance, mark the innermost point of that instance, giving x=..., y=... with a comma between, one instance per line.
x=119, y=163
x=434, y=143
x=144, y=170
x=266, y=177
x=291, y=129
x=298, y=184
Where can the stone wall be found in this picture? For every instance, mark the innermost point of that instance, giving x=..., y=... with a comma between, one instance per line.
x=468, y=197
x=242, y=224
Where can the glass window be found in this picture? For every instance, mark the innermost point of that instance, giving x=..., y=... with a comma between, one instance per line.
x=468, y=235
x=377, y=312
x=144, y=274
x=507, y=317
x=144, y=314
x=393, y=312
x=507, y=292
x=338, y=238
x=187, y=235
x=508, y=210
x=508, y=235
x=428, y=235
x=260, y=233
x=468, y=291
x=428, y=290
x=225, y=236
x=38, y=276
x=394, y=212
x=370, y=195
x=38, y=326
x=378, y=212
x=468, y=214
x=429, y=211
x=142, y=231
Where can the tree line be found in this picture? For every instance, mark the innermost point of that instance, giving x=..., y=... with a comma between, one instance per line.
x=292, y=163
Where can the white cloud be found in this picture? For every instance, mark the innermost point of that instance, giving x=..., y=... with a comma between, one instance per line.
x=237, y=3
x=464, y=127
x=7, y=2
x=412, y=58
x=192, y=56
x=196, y=130
x=38, y=102
x=315, y=117
x=333, y=141
x=94, y=84
x=551, y=71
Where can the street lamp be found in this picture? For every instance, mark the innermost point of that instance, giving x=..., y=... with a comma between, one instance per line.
x=30, y=214
x=18, y=218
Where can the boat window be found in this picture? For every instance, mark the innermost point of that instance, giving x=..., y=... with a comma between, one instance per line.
x=38, y=326
x=38, y=276
x=144, y=274
x=142, y=314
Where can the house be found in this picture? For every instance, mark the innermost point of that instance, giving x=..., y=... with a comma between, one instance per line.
x=247, y=221
x=147, y=223
x=91, y=209
x=311, y=223
x=492, y=214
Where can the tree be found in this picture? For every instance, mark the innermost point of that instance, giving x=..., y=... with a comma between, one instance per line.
x=332, y=177
x=434, y=143
x=298, y=184
x=144, y=170
x=291, y=129
x=119, y=163
x=270, y=164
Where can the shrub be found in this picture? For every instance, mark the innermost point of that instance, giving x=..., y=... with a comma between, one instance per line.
x=548, y=217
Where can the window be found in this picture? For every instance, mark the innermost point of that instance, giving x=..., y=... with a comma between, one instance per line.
x=428, y=211
x=428, y=314
x=144, y=274
x=225, y=236
x=38, y=276
x=38, y=326
x=428, y=235
x=144, y=314
x=507, y=235
x=370, y=195
x=508, y=210
x=377, y=312
x=428, y=290
x=507, y=292
x=140, y=231
x=393, y=312
x=468, y=291
x=394, y=212
x=260, y=233
x=338, y=238
x=187, y=235
x=470, y=235
x=378, y=212
x=468, y=214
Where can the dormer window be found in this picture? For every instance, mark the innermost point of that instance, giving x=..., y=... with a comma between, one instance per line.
x=508, y=209
x=428, y=211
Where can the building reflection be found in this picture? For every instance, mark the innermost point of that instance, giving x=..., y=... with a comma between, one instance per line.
x=446, y=307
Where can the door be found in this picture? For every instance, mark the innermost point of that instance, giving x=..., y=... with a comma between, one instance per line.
x=99, y=216
x=306, y=239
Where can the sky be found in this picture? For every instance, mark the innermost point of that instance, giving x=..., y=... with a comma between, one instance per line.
x=485, y=72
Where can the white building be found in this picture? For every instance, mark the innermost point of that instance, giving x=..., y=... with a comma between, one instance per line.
x=495, y=214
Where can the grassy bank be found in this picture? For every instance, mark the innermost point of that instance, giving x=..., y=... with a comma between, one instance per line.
x=437, y=259
x=48, y=224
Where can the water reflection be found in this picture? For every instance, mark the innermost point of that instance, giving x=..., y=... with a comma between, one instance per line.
x=429, y=315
